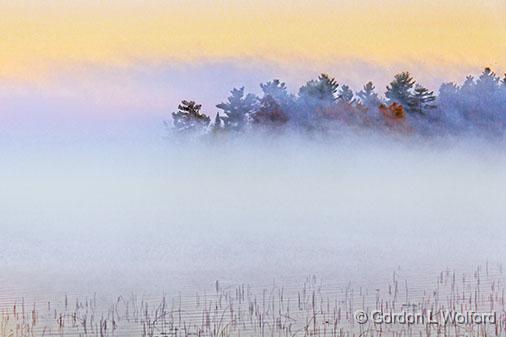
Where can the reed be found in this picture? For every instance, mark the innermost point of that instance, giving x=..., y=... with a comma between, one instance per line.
x=314, y=309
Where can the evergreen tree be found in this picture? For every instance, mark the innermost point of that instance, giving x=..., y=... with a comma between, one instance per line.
x=450, y=104
x=322, y=89
x=189, y=118
x=478, y=105
x=217, y=122
x=448, y=98
x=469, y=83
x=399, y=90
x=237, y=109
x=488, y=101
x=269, y=112
x=448, y=89
x=422, y=100
x=314, y=98
x=346, y=94
x=368, y=97
x=277, y=90
x=487, y=82
x=467, y=90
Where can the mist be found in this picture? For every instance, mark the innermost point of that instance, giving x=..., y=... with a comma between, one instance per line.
x=234, y=169
x=173, y=215
x=96, y=195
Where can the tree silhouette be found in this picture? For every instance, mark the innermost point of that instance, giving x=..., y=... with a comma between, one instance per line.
x=323, y=89
x=368, y=97
x=468, y=84
x=489, y=102
x=217, y=125
x=399, y=90
x=448, y=89
x=189, y=118
x=449, y=104
x=237, y=109
x=314, y=98
x=487, y=81
x=422, y=100
x=345, y=94
x=477, y=105
x=269, y=113
x=278, y=91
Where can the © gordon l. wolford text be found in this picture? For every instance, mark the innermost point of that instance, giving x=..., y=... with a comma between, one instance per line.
x=443, y=317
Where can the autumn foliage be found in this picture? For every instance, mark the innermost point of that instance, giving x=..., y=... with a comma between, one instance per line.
x=394, y=117
x=478, y=105
x=270, y=113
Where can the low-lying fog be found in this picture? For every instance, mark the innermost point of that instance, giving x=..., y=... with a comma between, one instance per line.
x=160, y=216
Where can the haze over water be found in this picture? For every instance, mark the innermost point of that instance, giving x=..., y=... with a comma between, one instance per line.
x=95, y=198
x=164, y=216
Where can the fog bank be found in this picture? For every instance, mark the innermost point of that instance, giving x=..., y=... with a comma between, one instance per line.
x=168, y=215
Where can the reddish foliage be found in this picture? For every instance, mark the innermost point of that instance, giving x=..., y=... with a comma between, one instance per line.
x=394, y=116
x=270, y=113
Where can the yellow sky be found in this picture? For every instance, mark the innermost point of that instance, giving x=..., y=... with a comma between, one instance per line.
x=37, y=37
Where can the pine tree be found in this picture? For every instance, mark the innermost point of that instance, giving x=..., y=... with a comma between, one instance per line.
x=448, y=89
x=399, y=90
x=368, y=97
x=422, y=100
x=468, y=88
x=217, y=122
x=277, y=90
x=488, y=101
x=189, y=118
x=346, y=94
x=269, y=112
x=487, y=82
x=238, y=109
x=314, y=99
x=322, y=89
x=448, y=98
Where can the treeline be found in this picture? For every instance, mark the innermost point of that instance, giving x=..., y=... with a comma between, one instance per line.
x=477, y=105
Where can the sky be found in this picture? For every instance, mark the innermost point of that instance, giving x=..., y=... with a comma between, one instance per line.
x=40, y=35
x=132, y=61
